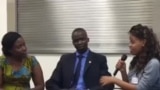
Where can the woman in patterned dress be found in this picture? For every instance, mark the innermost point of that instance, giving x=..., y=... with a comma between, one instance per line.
x=16, y=67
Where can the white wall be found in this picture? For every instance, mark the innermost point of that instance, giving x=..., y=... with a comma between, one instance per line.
x=3, y=18
x=49, y=61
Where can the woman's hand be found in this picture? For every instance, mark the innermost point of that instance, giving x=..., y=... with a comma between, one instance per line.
x=104, y=80
x=121, y=65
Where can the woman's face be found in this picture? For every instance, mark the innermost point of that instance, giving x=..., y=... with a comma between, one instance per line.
x=19, y=48
x=136, y=45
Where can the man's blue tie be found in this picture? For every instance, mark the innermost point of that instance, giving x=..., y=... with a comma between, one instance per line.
x=77, y=71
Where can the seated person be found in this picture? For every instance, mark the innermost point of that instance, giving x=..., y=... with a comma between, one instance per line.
x=80, y=70
x=16, y=67
x=144, y=72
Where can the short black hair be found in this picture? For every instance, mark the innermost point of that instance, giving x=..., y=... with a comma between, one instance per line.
x=8, y=41
x=79, y=30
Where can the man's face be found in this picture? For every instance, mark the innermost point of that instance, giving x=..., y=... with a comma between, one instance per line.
x=80, y=41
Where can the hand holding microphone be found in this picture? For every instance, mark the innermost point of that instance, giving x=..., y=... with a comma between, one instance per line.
x=104, y=80
x=121, y=64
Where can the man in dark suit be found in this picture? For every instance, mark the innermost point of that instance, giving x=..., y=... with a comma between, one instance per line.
x=73, y=73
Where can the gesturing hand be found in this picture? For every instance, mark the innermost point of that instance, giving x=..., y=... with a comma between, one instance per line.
x=104, y=80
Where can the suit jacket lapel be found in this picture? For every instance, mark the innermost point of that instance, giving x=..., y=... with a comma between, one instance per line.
x=71, y=67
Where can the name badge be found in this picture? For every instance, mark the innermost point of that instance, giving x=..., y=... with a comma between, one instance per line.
x=134, y=80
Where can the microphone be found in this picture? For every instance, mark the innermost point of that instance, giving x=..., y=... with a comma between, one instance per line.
x=123, y=58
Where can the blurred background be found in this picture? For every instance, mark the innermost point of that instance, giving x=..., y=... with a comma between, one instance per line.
x=46, y=26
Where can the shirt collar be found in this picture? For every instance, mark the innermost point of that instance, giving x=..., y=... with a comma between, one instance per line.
x=84, y=54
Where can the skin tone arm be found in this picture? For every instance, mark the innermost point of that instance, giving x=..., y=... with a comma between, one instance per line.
x=121, y=65
x=124, y=85
x=124, y=76
x=38, y=78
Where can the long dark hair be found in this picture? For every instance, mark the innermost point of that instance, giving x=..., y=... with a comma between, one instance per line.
x=151, y=48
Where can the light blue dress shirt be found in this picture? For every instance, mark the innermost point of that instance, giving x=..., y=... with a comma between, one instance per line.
x=81, y=83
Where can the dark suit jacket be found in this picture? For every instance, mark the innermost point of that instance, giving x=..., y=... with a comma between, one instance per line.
x=96, y=66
